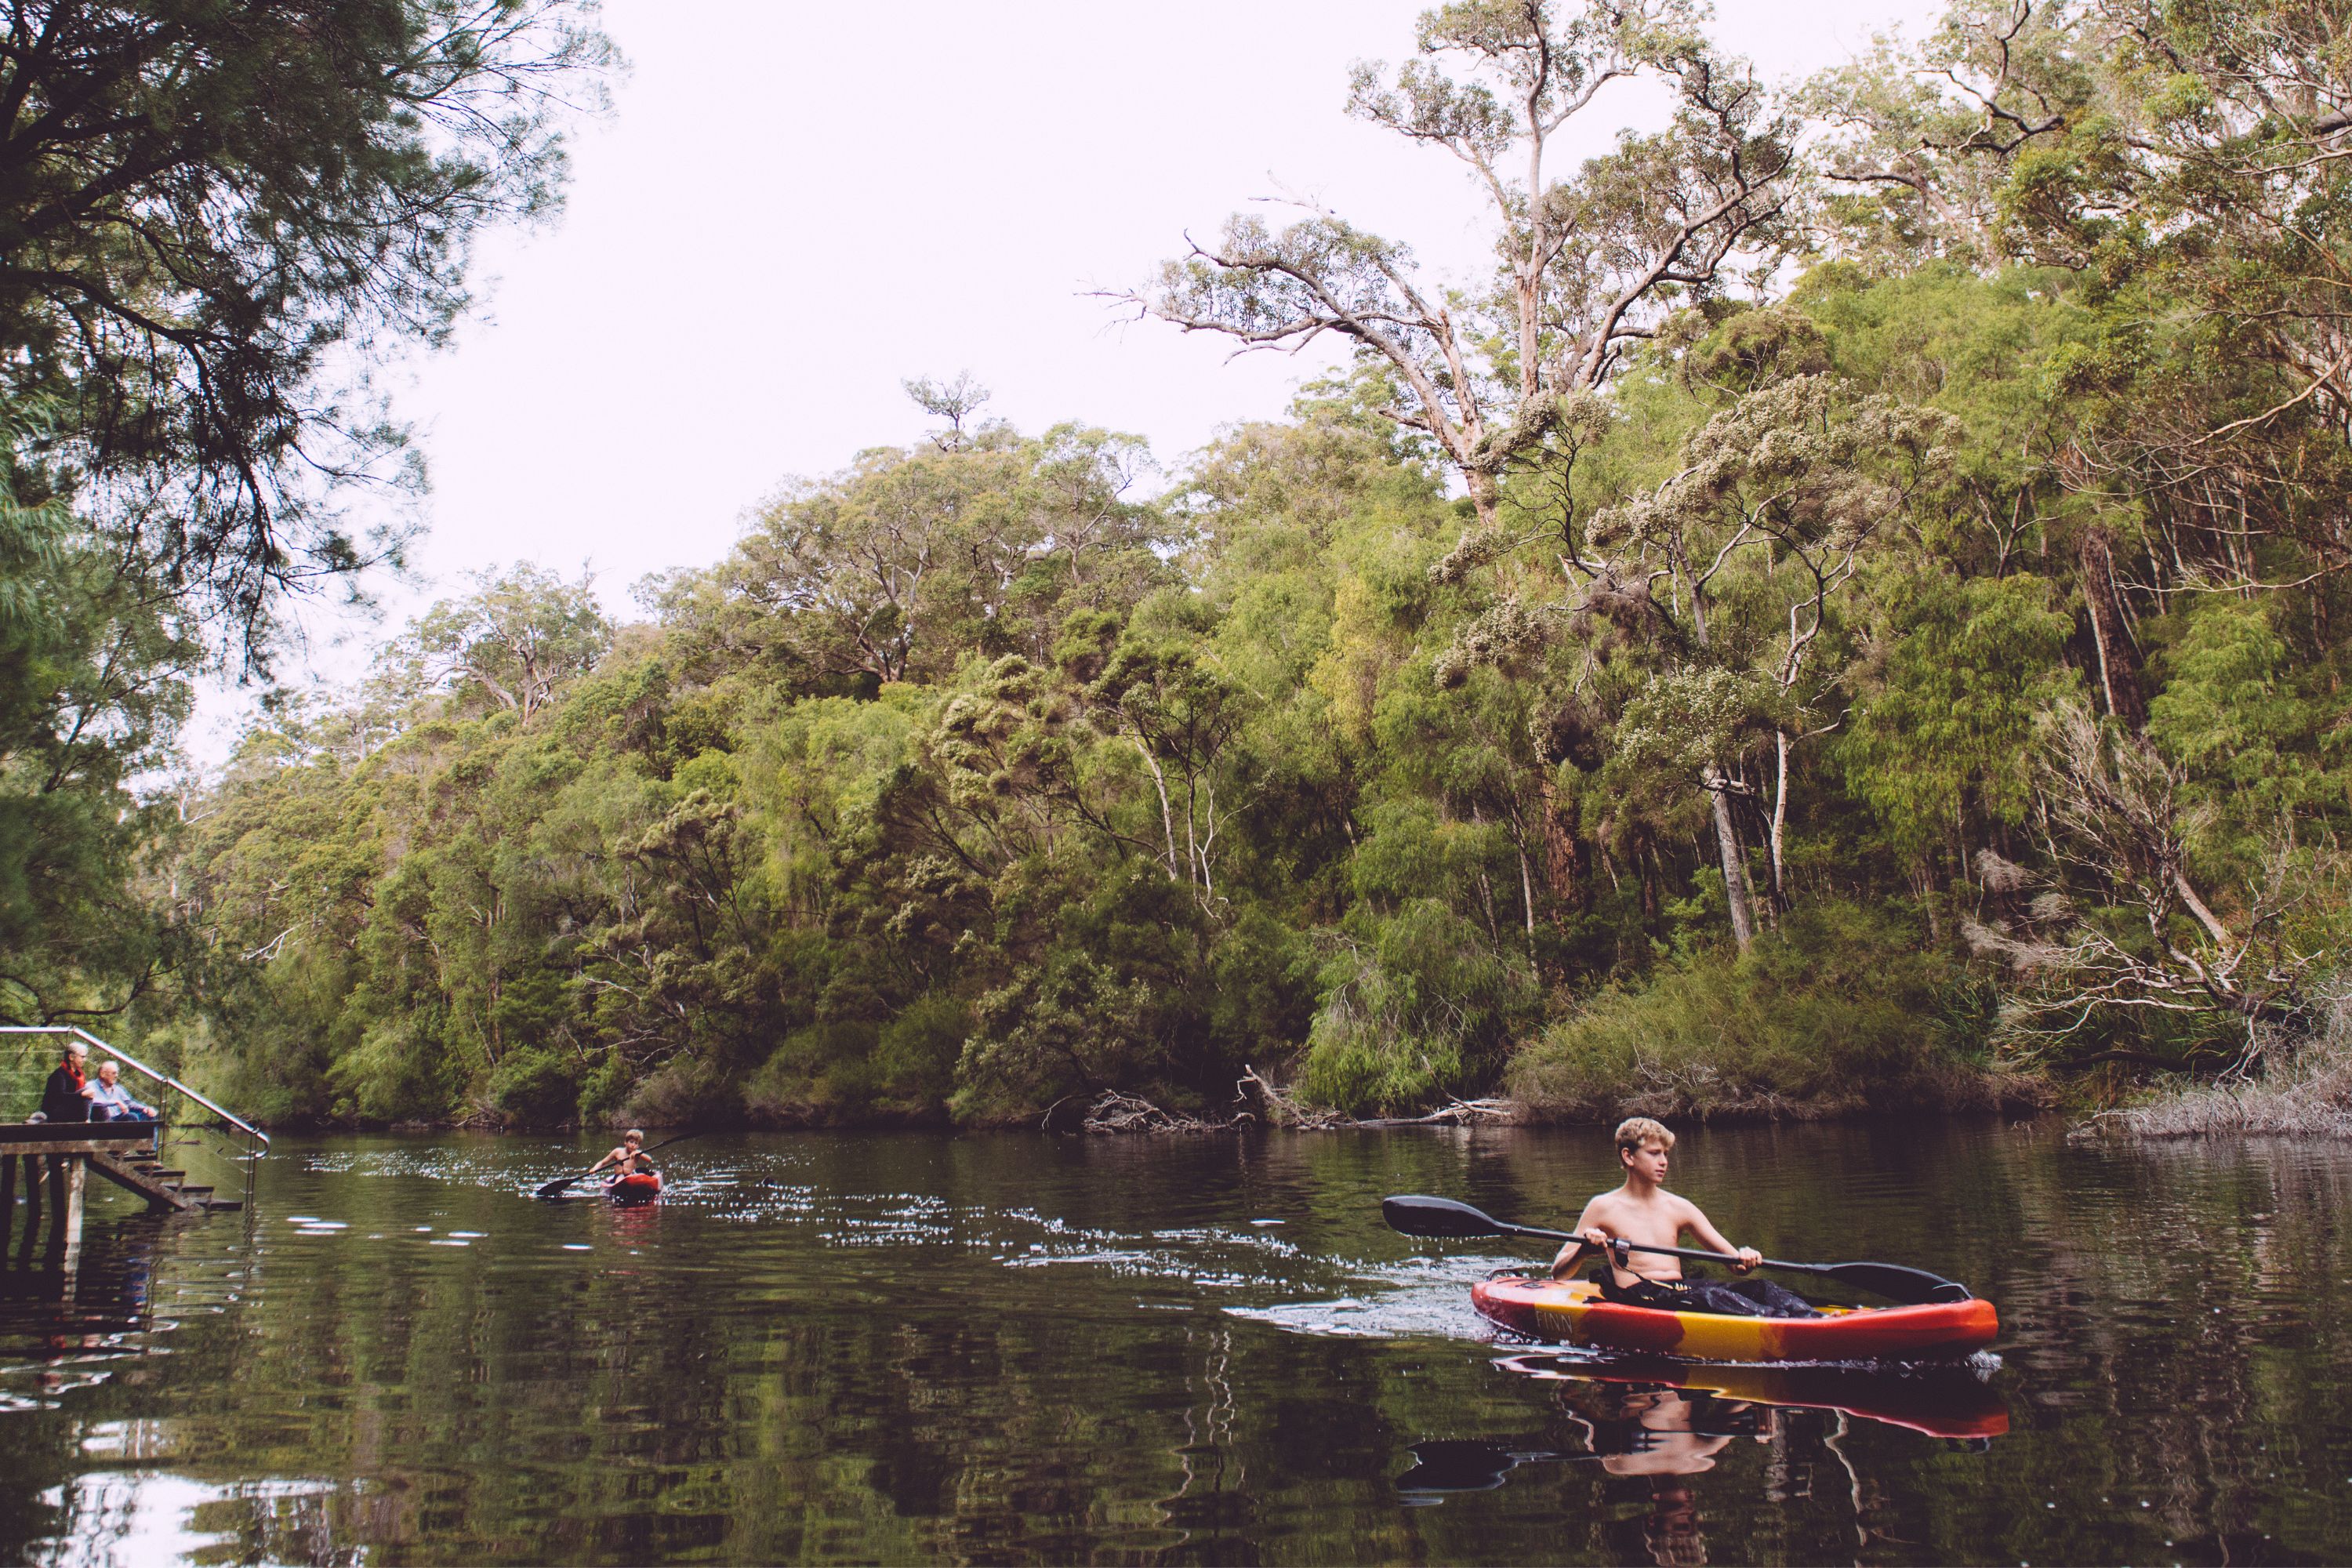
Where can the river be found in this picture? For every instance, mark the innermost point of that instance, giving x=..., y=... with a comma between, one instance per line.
x=1003, y=1349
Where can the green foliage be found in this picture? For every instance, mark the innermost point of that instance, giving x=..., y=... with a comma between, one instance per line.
x=218, y=219
x=213, y=211
x=1814, y=686
x=1310, y=795
x=2239, y=716
x=1841, y=1011
x=94, y=684
x=1943, y=734
x=1422, y=1010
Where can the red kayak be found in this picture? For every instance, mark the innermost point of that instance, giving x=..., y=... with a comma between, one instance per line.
x=634, y=1188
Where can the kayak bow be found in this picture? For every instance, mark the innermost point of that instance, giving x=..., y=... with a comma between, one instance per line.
x=1574, y=1310
x=634, y=1188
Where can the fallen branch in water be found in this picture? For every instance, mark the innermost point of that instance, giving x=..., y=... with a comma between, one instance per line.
x=1114, y=1112
x=1487, y=1113
x=1282, y=1108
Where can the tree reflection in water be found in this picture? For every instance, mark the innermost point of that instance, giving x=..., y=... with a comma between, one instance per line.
x=64, y=1328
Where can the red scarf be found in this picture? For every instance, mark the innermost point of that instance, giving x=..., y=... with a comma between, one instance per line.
x=73, y=1072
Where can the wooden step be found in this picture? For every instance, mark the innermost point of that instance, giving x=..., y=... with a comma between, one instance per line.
x=223, y=1206
x=162, y=1189
x=159, y=1195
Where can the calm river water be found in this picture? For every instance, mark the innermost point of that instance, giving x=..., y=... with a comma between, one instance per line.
x=912, y=1348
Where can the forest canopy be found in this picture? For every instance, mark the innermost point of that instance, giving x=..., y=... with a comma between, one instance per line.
x=1844, y=615
x=215, y=222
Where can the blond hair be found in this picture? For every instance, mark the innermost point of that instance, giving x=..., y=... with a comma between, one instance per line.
x=632, y=1135
x=1636, y=1130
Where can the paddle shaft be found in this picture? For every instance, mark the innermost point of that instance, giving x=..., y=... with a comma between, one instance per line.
x=1538, y=1233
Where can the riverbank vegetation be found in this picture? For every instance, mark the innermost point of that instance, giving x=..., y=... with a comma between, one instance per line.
x=1846, y=616
x=2301, y=1084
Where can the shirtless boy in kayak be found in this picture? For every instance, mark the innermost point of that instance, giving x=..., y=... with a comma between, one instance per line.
x=629, y=1159
x=1643, y=1211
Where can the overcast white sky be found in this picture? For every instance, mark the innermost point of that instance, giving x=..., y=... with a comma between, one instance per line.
x=795, y=207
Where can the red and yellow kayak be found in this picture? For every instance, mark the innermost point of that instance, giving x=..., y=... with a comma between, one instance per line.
x=1573, y=1310
x=636, y=1187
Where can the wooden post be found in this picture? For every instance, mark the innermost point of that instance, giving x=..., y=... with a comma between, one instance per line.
x=35, y=1168
x=60, y=1197
x=7, y=1197
x=73, y=1178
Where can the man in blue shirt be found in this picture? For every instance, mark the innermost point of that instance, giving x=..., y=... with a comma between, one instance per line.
x=109, y=1101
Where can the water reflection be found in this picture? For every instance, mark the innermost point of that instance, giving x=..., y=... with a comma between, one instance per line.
x=1662, y=1424
x=65, y=1328
x=112, y=1517
x=1009, y=1350
x=1660, y=1436
x=1955, y=1401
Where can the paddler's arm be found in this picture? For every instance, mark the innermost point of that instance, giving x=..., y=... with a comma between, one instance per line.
x=1572, y=1253
x=1714, y=1241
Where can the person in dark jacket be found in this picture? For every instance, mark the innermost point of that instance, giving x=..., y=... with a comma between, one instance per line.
x=67, y=1096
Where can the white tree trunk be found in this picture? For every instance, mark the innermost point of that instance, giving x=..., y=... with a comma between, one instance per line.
x=1735, y=875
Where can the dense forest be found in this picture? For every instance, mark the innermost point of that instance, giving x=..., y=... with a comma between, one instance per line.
x=1844, y=616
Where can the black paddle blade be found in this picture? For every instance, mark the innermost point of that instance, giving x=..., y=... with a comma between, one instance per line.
x=549, y=1189
x=1912, y=1287
x=1455, y=1465
x=1418, y=1216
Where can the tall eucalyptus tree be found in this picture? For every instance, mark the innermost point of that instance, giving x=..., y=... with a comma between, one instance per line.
x=1587, y=265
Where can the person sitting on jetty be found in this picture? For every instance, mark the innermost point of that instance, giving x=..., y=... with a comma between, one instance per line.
x=1641, y=1211
x=629, y=1159
x=65, y=1097
x=109, y=1101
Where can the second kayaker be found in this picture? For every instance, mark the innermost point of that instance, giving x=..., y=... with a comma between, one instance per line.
x=1641, y=1211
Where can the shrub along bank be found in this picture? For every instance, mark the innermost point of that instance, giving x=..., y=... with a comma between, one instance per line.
x=1840, y=1012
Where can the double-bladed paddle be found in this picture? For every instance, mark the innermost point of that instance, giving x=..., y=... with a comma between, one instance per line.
x=549, y=1189
x=1443, y=1218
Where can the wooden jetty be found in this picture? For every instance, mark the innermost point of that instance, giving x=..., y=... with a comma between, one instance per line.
x=60, y=1157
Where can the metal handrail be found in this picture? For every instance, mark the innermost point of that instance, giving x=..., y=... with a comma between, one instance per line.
x=127, y=1059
